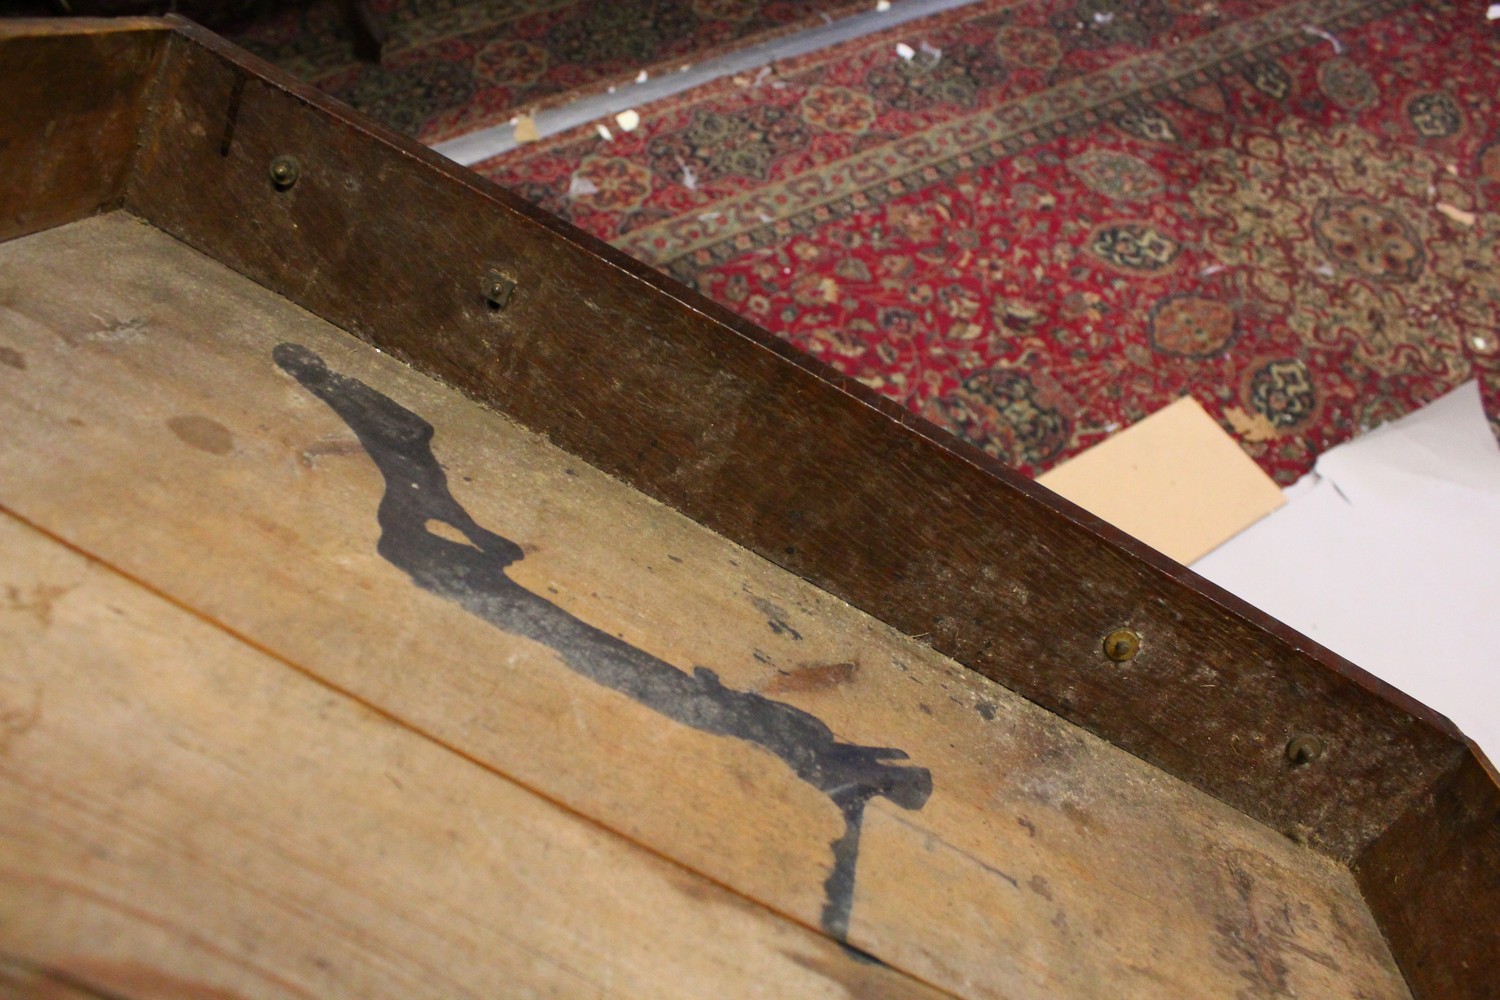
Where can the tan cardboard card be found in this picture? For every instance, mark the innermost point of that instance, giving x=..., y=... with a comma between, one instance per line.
x=1175, y=480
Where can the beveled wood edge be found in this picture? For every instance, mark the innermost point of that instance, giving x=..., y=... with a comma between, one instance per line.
x=34, y=26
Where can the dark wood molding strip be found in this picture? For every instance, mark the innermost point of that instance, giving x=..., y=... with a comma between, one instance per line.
x=718, y=419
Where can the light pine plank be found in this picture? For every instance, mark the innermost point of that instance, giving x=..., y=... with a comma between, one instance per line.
x=23, y=980
x=1045, y=863
x=184, y=816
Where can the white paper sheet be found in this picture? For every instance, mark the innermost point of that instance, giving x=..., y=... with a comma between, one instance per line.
x=1389, y=554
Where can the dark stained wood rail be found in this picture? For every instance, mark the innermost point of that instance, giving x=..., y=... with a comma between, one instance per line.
x=1433, y=881
x=716, y=418
x=74, y=101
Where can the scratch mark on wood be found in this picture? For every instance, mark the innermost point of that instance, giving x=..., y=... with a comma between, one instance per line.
x=472, y=574
x=931, y=840
x=232, y=116
x=327, y=446
x=776, y=616
x=1257, y=938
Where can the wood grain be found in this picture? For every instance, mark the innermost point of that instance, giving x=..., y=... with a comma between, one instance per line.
x=23, y=980
x=1046, y=862
x=711, y=415
x=186, y=817
x=719, y=420
x=74, y=99
x=1434, y=881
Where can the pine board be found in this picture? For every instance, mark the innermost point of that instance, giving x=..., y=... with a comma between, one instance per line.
x=186, y=816
x=1043, y=863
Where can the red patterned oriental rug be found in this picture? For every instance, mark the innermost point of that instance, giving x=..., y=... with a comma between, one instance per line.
x=451, y=67
x=1036, y=222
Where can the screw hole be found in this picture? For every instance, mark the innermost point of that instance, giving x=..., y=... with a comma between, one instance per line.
x=1303, y=750
x=1122, y=645
x=497, y=291
x=285, y=170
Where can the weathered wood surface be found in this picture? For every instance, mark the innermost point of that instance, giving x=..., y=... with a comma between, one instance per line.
x=185, y=816
x=1434, y=878
x=184, y=447
x=23, y=980
x=74, y=100
x=716, y=418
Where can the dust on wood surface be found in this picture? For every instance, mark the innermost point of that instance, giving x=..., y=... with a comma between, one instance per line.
x=187, y=817
x=714, y=416
x=247, y=459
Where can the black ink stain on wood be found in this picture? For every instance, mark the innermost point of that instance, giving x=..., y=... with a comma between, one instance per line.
x=986, y=710
x=472, y=575
x=12, y=358
x=861, y=956
x=203, y=434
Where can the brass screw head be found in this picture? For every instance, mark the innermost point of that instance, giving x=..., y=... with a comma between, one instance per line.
x=1121, y=645
x=498, y=290
x=285, y=170
x=1302, y=750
